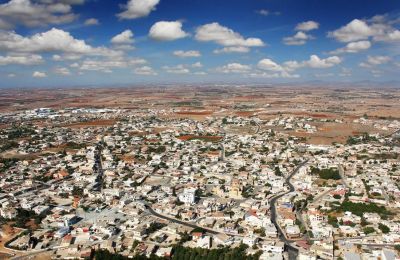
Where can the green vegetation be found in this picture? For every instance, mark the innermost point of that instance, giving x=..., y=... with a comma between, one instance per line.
x=185, y=253
x=368, y=230
x=326, y=174
x=18, y=132
x=77, y=191
x=75, y=146
x=154, y=227
x=6, y=164
x=248, y=191
x=159, y=149
x=103, y=254
x=360, y=208
x=385, y=229
x=8, y=145
x=333, y=221
x=24, y=216
x=364, y=138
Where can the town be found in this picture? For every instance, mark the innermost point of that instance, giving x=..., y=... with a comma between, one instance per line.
x=157, y=183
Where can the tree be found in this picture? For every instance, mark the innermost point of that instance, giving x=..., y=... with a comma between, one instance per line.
x=385, y=229
x=368, y=230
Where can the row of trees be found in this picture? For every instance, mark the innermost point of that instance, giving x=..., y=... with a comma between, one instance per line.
x=186, y=253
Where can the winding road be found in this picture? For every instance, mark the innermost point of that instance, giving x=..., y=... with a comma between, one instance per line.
x=291, y=249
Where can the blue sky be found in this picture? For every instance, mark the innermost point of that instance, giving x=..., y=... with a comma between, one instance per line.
x=55, y=43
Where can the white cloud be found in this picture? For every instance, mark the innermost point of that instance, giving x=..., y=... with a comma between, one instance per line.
x=200, y=73
x=126, y=37
x=38, y=74
x=278, y=71
x=353, y=47
x=323, y=75
x=106, y=65
x=67, y=56
x=318, y=63
x=54, y=40
x=354, y=31
x=267, y=75
x=224, y=36
x=270, y=65
x=377, y=28
x=197, y=65
x=314, y=62
x=300, y=38
x=234, y=68
x=145, y=70
x=11, y=75
x=167, y=31
x=138, y=8
x=62, y=71
x=186, y=54
x=32, y=14
x=178, y=69
x=21, y=59
x=265, y=12
x=375, y=61
x=238, y=49
x=307, y=26
x=91, y=21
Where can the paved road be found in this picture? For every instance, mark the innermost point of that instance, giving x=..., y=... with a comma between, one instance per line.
x=292, y=250
x=188, y=224
x=343, y=176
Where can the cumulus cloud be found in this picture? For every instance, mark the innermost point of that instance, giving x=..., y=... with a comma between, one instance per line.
x=318, y=63
x=377, y=29
x=126, y=37
x=268, y=64
x=269, y=75
x=271, y=69
x=138, y=8
x=54, y=40
x=314, y=62
x=20, y=59
x=224, y=36
x=62, y=71
x=300, y=38
x=106, y=65
x=186, y=54
x=354, y=47
x=32, y=14
x=145, y=70
x=234, y=68
x=307, y=26
x=197, y=65
x=375, y=61
x=91, y=21
x=167, y=31
x=38, y=74
x=237, y=49
x=178, y=69
x=353, y=31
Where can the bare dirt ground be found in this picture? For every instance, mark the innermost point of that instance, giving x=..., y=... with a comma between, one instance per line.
x=201, y=102
x=7, y=233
